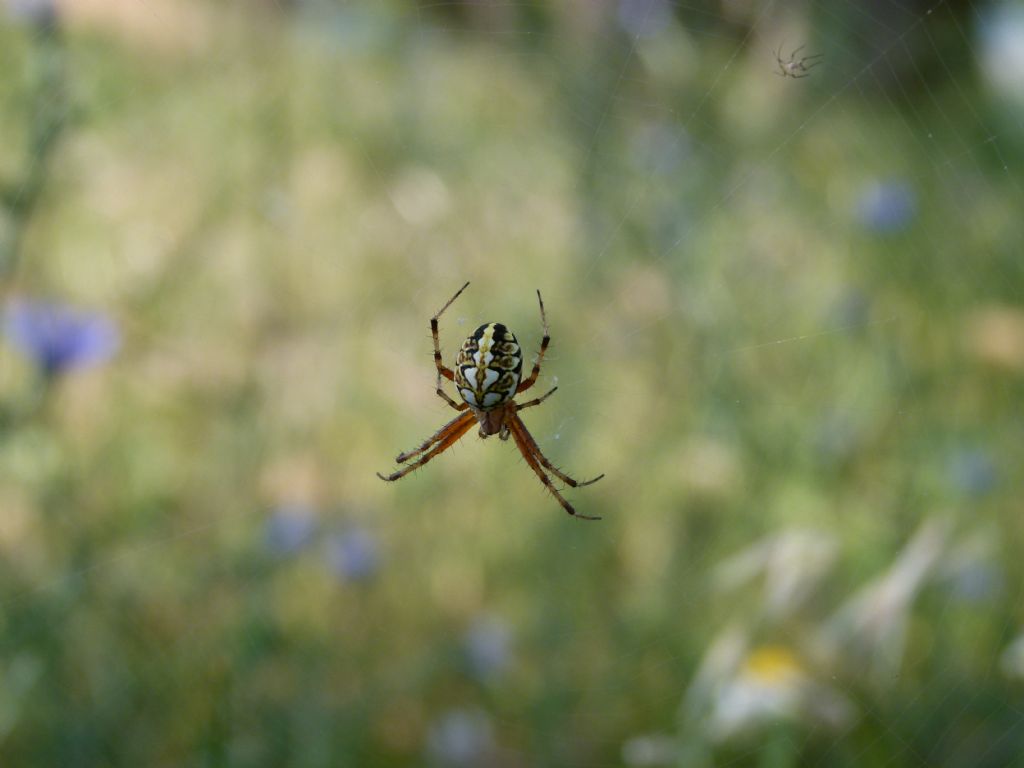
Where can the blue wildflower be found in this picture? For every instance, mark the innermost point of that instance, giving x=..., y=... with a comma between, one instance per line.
x=290, y=529
x=837, y=437
x=1001, y=34
x=971, y=569
x=972, y=472
x=644, y=18
x=39, y=13
x=487, y=646
x=462, y=738
x=887, y=207
x=352, y=554
x=58, y=338
x=977, y=582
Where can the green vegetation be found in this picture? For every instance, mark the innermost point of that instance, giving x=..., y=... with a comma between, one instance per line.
x=787, y=324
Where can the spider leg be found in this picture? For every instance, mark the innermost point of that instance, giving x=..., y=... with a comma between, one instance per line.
x=443, y=370
x=536, y=400
x=794, y=53
x=455, y=430
x=799, y=77
x=518, y=429
x=808, y=66
x=547, y=464
x=447, y=398
x=528, y=382
x=782, y=65
x=441, y=434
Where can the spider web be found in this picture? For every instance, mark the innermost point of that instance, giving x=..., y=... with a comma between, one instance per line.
x=777, y=310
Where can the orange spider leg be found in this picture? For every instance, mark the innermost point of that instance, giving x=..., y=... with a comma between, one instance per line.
x=528, y=382
x=454, y=431
x=442, y=369
x=523, y=442
x=548, y=465
x=438, y=436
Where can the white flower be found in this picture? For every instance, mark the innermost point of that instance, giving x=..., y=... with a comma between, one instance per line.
x=772, y=685
x=792, y=562
x=739, y=689
x=871, y=626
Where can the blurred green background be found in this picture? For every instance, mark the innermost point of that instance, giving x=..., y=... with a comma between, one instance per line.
x=787, y=324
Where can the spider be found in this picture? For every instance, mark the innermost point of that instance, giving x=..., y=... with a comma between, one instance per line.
x=487, y=376
x=793, y=65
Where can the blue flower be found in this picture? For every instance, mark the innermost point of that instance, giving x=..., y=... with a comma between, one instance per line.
x=977, y=582
x=487, y=647
x=837, y=437
x=1001, y=34
x=972, y=472
x=644, y=18
x=290, y=529
x=887, y=207
x=58, y=338
x=39, y=13
x=352, y=554
x=462, y=738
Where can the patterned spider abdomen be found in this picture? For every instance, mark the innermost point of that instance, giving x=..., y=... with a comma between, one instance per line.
x=488, y=367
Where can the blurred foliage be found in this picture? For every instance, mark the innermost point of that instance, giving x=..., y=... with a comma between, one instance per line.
x=787, y=325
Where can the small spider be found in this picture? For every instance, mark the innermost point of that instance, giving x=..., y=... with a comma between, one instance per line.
x=793, y=66
x=487, y=376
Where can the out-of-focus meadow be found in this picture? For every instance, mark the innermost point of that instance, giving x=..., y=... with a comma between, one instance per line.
x=787, y=324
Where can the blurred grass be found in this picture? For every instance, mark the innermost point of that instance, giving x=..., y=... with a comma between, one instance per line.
x=272, y=204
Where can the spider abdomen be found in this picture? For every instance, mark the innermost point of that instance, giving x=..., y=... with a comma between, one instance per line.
x=488, y=367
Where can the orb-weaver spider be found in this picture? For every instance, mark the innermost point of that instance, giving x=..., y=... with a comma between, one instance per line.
x=794, y=67
x=487, y=376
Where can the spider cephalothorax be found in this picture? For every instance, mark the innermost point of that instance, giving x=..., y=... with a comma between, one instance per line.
x=488, y=372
